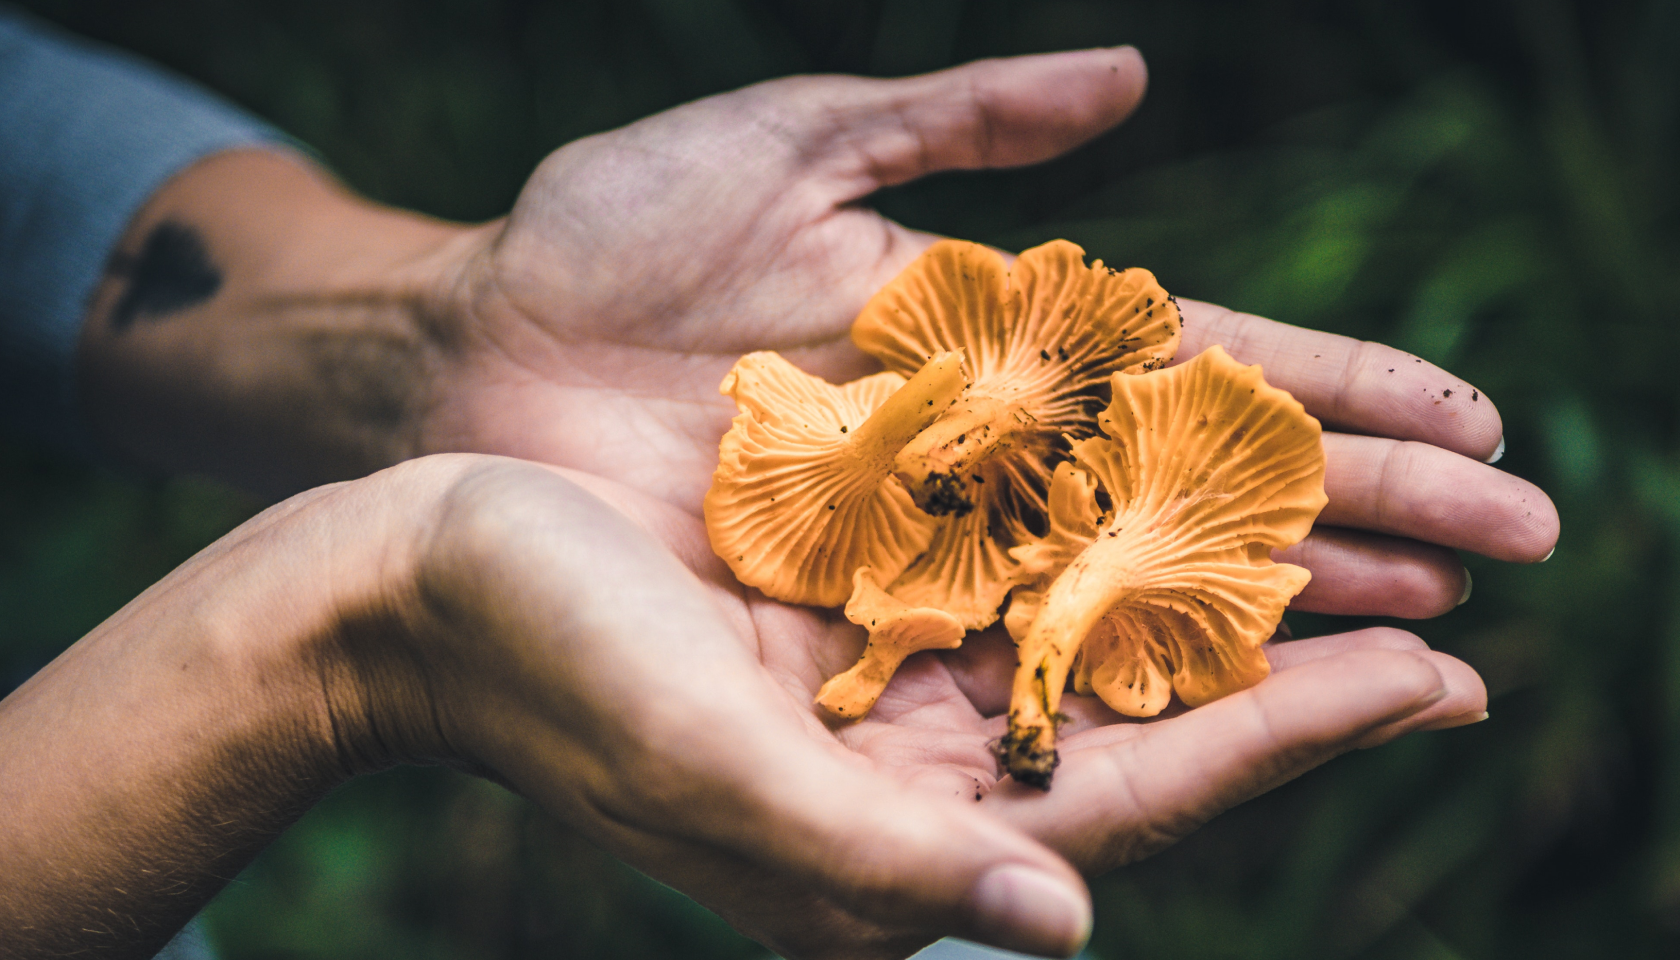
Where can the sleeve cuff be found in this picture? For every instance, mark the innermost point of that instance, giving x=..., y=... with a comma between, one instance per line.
x=89, y=135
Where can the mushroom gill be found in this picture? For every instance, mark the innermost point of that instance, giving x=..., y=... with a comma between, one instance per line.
x=1041, y=339
x=1172, y=589
x=804, y=494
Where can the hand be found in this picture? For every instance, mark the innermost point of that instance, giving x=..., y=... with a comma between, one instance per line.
x=592, y=327
x=550, y=642
x=493, y=614
x=705, y=763
x=489, y=614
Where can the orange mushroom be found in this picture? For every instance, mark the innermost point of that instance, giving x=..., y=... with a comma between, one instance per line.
x=1172, y=589
x=804, y=494
x=1042, y=338
x=896, y=630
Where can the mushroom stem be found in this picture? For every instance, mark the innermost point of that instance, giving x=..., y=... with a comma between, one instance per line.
x=932, y=465
x=909, y=410
x=851, y=694
x=896, y=630
x=1093, y=584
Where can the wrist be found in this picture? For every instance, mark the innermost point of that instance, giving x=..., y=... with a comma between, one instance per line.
x=201, y=713
x=212, y=711
x=368, y=656
x=467, y=319
x=310, y=350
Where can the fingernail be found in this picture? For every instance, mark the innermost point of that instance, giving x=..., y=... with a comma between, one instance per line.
x=1467, y=584
x=1498, y=451
x=1462, y=720
x=1548, y=555
x=1019, y=908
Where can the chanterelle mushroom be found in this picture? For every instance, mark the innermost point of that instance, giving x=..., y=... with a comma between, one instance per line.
x=896, y=630
x=1041, y=339
x=1172, y=589
x=804, y=494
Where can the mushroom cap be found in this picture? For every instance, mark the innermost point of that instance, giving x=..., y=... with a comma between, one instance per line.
x=1208, y=469
x=1048, y=328
x=1046, y=332
x=896, y=630
x=803, y=494
x=1212, y=455
x=1042, y=339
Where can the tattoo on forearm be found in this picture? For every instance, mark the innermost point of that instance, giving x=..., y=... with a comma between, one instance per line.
x=172, y=273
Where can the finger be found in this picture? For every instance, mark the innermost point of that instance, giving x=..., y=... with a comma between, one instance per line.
x=992, y=113
x=1283, y=654
x=1123, y=793
x=1465, y=702
x=1372, y=575
x=1293, y=653
x=1354, y=574
x=1352, y=385
x=1420, y=491
x=900, y=854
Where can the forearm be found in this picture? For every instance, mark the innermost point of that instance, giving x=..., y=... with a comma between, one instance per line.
x=144, y=767
x=261, y=324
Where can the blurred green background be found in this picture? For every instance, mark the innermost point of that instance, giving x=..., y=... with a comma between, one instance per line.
x=1488, y=184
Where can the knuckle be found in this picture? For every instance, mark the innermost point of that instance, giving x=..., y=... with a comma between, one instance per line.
x=1393, y=638
x=1405, y=677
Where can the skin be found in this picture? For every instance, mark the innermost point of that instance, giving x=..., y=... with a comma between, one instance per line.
x=497, y=615
x=568, y=632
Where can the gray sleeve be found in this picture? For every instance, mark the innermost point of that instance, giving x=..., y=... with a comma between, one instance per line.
x=87, y=134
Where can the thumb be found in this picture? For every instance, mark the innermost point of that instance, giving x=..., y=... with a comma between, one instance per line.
x=902, y=858
x=992, y=113
x=829, y=858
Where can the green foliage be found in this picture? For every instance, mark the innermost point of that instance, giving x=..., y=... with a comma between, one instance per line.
x=1491, y=186
x=421, y=864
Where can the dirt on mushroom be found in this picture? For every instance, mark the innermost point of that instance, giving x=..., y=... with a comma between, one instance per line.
x=1040, y=338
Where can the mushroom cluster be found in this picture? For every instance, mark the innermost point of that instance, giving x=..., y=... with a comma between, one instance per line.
x=972, y=471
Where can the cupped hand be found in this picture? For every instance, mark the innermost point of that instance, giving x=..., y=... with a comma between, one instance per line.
x=590, y=328
x=579, y=641
x=593, y=326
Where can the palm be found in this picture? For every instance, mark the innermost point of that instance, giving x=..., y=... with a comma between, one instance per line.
x=930, y=729
x=705, y=229
x=634, y=309
x=1127, y=787
x=933, y=728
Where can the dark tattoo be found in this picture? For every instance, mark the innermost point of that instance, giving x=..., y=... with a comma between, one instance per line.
x=172, y=272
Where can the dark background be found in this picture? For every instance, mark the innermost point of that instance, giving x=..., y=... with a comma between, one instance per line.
x=1490, y=185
